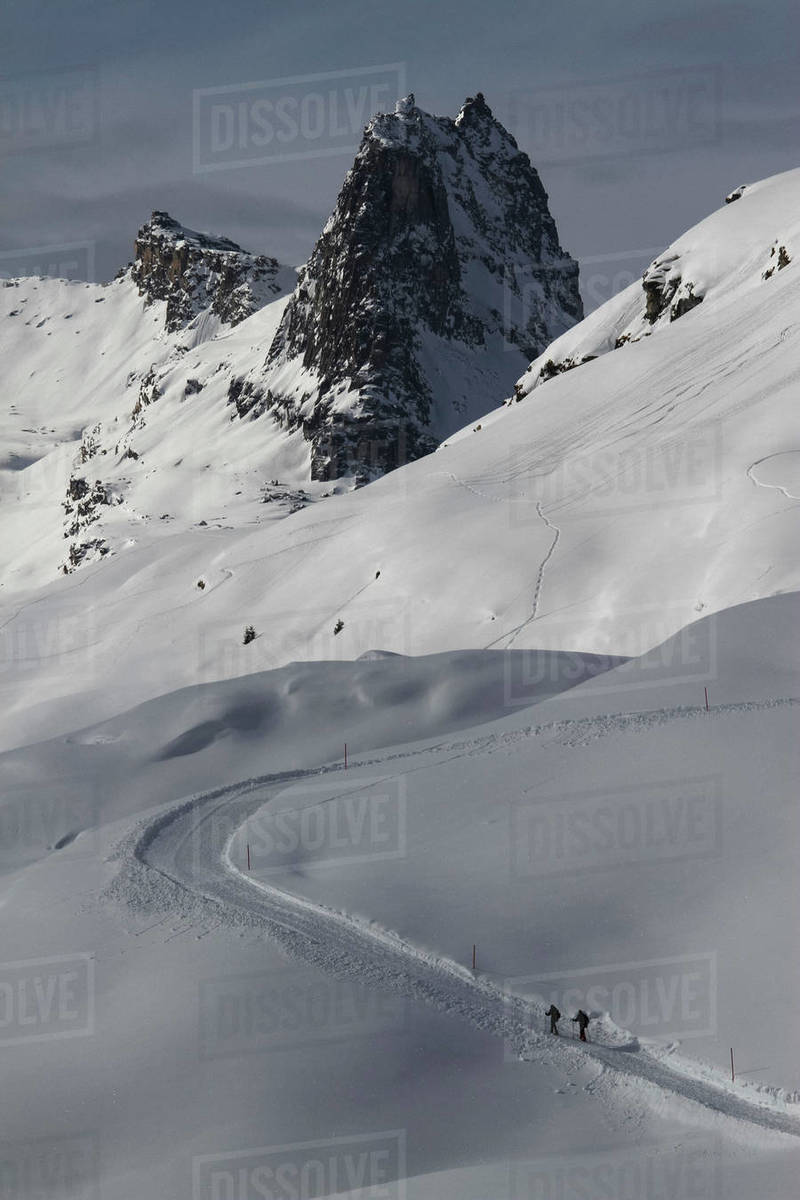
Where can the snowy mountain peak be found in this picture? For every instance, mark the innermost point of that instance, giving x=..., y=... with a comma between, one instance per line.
x=194, y=272
x=437, y=278
x=489, y=141
x=161, y=224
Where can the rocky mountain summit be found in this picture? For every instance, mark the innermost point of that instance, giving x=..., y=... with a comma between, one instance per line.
x=195, y=272
x=436, y=280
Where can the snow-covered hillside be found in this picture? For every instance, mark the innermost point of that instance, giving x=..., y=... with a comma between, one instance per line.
x=190, y=391
x=314, y=796
x=721, y=260
x=115, y=416
x=219, y=1031
x=609, y=509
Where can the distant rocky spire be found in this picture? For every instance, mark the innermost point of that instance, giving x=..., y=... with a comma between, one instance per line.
x=436, y=280
x=194, y=271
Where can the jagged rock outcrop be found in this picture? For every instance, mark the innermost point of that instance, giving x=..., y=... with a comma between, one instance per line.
x=666, y=294
x=665, y=289
x=81, y=509
x=195, y=272
x=437, y=278
x=736, y=194
x=708, y=263
x=780, y=262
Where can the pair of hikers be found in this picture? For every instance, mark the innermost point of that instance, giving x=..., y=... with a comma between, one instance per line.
x=581, y=1017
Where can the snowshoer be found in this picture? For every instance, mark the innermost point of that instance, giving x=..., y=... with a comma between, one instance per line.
x=555, y=1017
x=583, y=1020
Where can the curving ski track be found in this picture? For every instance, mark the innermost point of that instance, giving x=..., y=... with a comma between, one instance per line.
x=180, y=860
x=537, y=589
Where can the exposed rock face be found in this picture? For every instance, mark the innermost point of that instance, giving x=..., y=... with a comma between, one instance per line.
x=667, y=293
x=81, y=510
x=194, y=272
x=435, y=281
x=665, y=288
x=551, y=368
x=782, y=260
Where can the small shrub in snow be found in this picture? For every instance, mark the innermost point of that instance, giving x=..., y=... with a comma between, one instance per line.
x=249, y=635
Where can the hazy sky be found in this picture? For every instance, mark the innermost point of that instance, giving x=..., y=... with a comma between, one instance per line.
x=639, y=116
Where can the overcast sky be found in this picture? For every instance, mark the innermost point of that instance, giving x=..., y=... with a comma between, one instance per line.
x=639, y=116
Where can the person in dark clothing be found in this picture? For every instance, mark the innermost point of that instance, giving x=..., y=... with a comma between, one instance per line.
x=555, y=1017
x=583, y=1020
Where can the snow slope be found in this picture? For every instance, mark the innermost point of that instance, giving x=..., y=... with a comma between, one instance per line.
x=719, y=261
x=214, y=1054
x=114, y=398
x=608, y=510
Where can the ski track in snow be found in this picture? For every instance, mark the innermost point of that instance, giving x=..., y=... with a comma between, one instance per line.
x=537, y=590
x=513, y=634
x=775, y=487
x=181, y=861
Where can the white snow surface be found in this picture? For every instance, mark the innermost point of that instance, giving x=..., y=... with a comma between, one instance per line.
x=567, y=676
x=78, y=358
x=245, y=1019
x=723, y=259
x=609, y=509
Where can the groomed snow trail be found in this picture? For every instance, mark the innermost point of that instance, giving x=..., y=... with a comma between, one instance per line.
x=180, y=861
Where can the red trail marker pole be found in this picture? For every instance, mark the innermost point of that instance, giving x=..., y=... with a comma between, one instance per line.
x=345, y=756
x=248, y=856
x=705, y=689
x=473, y=958
x=733, y=1073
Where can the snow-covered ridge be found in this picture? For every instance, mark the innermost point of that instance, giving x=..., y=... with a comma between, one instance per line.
x=736, y=250
x=116, y=420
